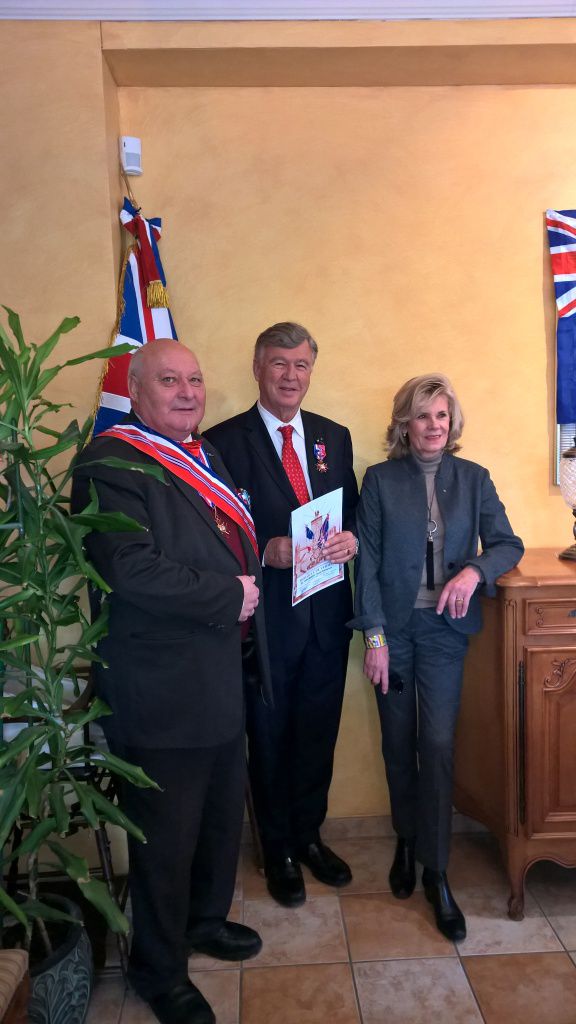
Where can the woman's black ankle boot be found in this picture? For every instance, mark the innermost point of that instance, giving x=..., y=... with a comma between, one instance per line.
x=403, y=871
x=449, y=918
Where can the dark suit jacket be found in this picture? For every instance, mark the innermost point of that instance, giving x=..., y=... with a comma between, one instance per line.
x=245, y=445
x=173, y=673
x=392, y=525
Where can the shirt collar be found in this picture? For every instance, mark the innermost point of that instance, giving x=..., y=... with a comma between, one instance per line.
x=273, y=423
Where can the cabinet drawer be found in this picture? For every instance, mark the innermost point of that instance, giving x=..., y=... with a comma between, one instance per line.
x=554, y=615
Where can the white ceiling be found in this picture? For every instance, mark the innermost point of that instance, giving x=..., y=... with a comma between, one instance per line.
x=285, y=10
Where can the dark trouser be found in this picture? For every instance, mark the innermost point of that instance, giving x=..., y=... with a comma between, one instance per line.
x=183, y=878
x=418, y=727
x=291, y=746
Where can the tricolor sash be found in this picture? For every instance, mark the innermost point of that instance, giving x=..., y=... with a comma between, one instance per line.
x=197, y=472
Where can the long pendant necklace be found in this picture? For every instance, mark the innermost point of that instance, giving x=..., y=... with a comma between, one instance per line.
x=432, y=527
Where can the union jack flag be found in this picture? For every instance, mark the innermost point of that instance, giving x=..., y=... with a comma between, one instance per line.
x=561, y=225
x=143, y=314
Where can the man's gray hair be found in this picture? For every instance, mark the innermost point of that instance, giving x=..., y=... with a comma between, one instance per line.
x=284, y=335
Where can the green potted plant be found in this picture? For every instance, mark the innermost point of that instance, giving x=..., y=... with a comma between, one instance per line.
x=48, y=772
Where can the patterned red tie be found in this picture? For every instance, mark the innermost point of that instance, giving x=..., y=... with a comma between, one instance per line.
x=194, y=447
x=292, y=465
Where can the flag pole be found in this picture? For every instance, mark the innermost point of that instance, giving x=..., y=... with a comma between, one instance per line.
x=128, y=187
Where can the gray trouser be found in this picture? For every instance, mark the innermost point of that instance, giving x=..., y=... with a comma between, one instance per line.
x=418, y=727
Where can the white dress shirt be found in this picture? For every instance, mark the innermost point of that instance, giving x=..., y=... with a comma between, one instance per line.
x=272, y=424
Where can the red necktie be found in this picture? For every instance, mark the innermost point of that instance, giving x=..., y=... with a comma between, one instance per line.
x=291, y=464
x=194, y=447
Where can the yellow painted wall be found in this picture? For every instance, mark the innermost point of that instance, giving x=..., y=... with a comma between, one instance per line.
x=402, y=225
x=57, y=244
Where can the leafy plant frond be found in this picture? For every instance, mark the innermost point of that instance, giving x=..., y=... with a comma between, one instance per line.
x=48, y=773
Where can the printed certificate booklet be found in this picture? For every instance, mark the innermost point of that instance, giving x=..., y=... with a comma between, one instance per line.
x=312, y=525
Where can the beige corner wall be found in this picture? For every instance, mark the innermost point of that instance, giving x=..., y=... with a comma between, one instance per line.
x=57, y=257
x=402, y=225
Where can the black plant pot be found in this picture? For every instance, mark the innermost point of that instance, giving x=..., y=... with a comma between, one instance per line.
x=61, y=984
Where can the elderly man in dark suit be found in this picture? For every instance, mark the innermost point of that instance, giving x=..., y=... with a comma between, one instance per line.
x=284, y=457
x=185, y=596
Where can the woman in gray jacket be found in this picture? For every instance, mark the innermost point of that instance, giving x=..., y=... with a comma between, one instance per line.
x=420, y=519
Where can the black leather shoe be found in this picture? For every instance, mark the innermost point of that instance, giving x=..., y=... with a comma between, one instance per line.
x=324, y=864
x=403, y=871
x=232, y=941
x=285, y=882
x=183, y=1004
x=449, y=918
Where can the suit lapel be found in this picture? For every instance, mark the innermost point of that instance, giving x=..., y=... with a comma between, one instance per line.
x=447, y=489
x=202, y=508
x=261, y=443
x=320, y=482
x=193, y=497
x=223, y=473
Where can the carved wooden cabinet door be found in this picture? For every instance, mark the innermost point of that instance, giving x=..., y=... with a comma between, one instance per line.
x=515, y=764
x=550, y=741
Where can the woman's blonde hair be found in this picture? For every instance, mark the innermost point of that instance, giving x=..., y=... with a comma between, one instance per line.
x=411, y=400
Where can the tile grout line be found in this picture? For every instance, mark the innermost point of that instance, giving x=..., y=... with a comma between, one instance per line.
x=350, y=961
x=122, y=1004
x=470, y=985
x=242, y=968
x=545, y=915
x=373, y=889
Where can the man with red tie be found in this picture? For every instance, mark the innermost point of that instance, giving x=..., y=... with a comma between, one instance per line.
x=283, y=458
x=185, y=589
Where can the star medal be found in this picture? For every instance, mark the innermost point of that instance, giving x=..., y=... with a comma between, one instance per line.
x=244, y=497
x=320, y=455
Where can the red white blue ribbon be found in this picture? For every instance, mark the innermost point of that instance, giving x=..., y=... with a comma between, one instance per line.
x=196, y=472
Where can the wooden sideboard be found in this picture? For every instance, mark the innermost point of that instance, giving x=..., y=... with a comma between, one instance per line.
x=515, y=765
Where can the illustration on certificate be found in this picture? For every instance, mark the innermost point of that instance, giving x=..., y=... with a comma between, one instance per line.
x=312, y=525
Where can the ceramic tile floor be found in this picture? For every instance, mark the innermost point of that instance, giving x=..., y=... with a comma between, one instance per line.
x=358, y=956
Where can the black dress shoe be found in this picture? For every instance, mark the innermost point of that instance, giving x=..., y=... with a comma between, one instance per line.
x=285, y=882
x=183, y=1004
x=449, y=918
x=232, y=941
x=403, y=871
x=324, y=864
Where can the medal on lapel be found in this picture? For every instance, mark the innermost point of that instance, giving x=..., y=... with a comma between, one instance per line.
x=220, y=523
x=320, y=455
x=244, y=497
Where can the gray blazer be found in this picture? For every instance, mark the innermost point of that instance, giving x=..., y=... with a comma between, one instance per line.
x=392, y=521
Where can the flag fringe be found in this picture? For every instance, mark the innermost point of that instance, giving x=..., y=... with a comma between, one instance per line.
x=120, y=306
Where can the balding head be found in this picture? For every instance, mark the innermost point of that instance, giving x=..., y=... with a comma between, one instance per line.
x=166, y=388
